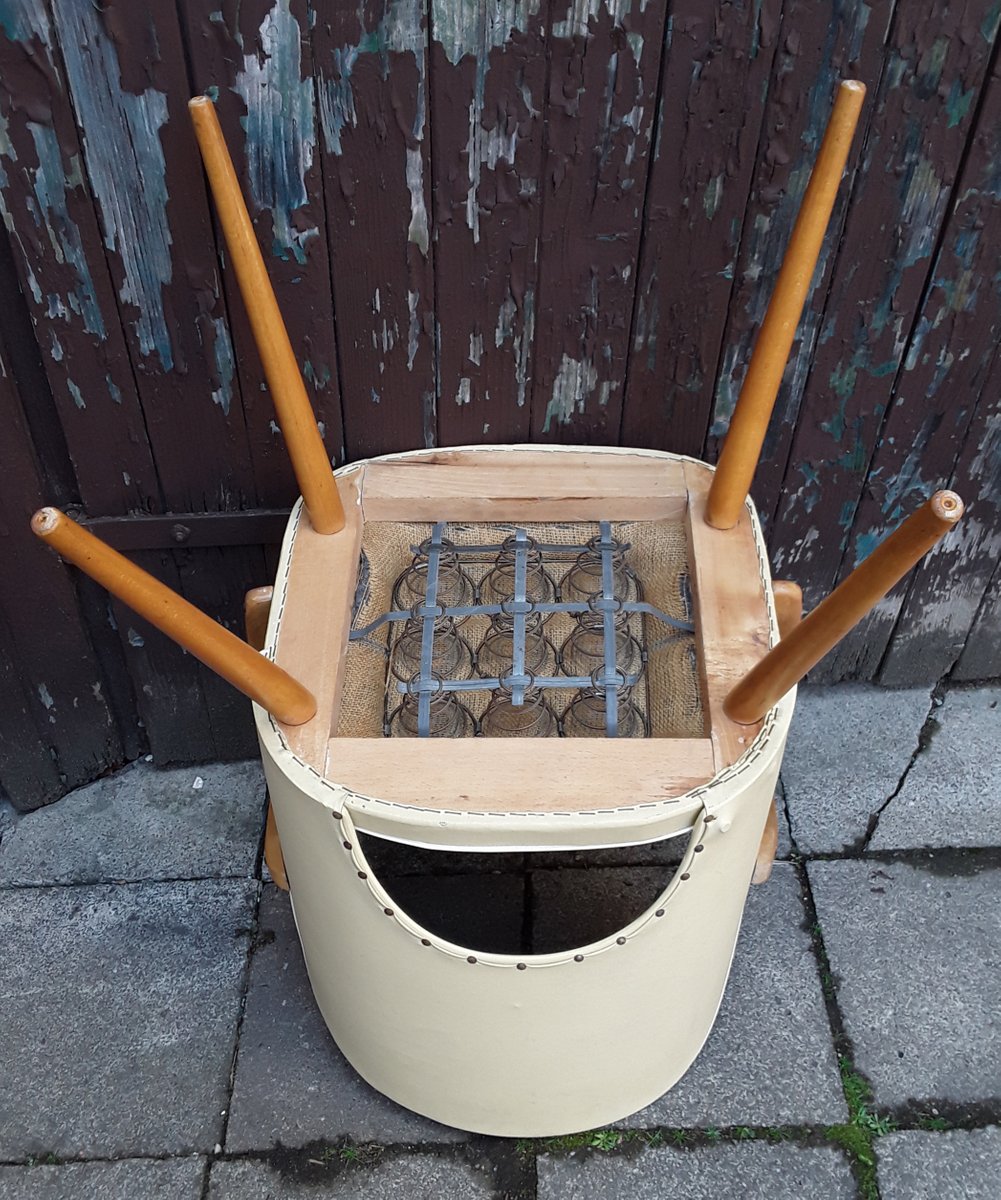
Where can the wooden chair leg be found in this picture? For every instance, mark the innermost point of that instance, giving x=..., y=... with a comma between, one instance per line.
x=769, y=844
x=789, y=613
x=256, y=609
x=273, y=851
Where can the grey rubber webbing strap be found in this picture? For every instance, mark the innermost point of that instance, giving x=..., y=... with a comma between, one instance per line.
x=518, y=632
x=487, y=684
x=608, y=624
x=427, y=634
x=548, y=606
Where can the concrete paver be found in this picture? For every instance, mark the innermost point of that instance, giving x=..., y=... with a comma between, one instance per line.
x=950, y=795
x=127, y=1179
x=728, y=1171
x=142, y=823
x=917, y=958
x=958, y=1165
x=414, y=1176
x=292, y=1084
x=769, y=1059
x=848, y=748
x=118, y=1012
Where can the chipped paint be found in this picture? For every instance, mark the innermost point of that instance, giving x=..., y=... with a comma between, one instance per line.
x=125, y=165
x=400, y=31
x=469, y=27
x=279, y=128
x=222, y=355
x=49, y=211
x=475, y=348
x=463, y=392
x=580, y=12
x=77, y=395
x=574, y=382
x=45, y=695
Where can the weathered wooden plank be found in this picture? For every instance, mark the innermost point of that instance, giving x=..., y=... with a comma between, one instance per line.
x=255, y=58
x=945, y=396
x=59, y=672
x=981, y=657
x=940, y=613
x=919, y=128
x=819, y=44
x=127, y=80
x=371, y=70
x=64, y=278
x=168, y=681
x=488, y=70
x=604, y=61
x=216, y=580
x=24, y=364
x=29, y=776
x=710, y=111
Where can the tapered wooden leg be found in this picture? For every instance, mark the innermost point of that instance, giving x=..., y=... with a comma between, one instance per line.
x=789, y=613
x=788, y=661
x=749, y=423
x=223, y=652
x=295, y=415
x=256, y=610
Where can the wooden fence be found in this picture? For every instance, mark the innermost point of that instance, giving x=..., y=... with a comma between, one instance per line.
x=499, y=221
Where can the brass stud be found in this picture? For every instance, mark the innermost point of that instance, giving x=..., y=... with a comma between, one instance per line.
x=708, y=819
x=346, y=845
x=388, y=912
x=578, y=958
x=336, y=816
x=699, y=849
x=620, y=941
x=686, y=876
x=471, y=958
x=659, y=912
x=362, y=875
x=425, y=942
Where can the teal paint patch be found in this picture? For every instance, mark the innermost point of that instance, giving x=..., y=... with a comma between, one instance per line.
x=113, y=389
x=712, y=196
x=121, y=139
x=77, y=395
x=51, y=212
x=22, y=20
x=865, y=543
x=957, y=103
x=989, y=25
x=575, y=381
x=222, y=355
x=279, y=129
x=318, y=378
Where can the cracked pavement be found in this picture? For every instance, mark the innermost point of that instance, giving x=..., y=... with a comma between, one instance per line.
x=158, y=1036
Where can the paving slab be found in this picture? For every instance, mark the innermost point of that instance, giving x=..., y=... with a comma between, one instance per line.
x=141, y=823
x=917, y=958
x=292, y=1084
x=118, y=1014
x=414, y=1176
x=127, y=1179
x=950, y=796
x=769, y=1059
x=848, y=748
x=572, y=908
x=727, y=1171
x=481, y=912
x=958, y=1165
